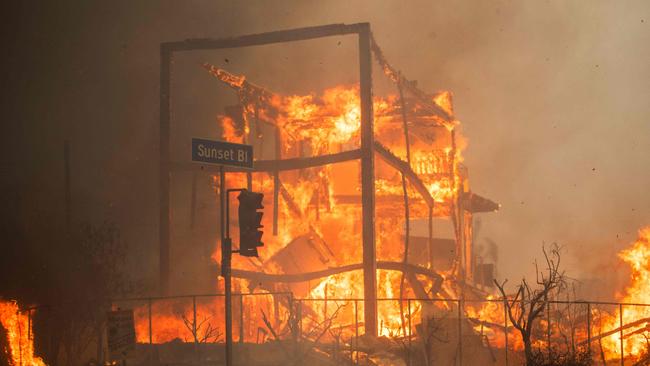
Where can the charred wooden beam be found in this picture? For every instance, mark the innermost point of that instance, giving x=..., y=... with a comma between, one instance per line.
x=405, y=169
x=310, y=276
x=290, y=35
x=288, y=199
x=397, y=77
x=634, y=324
x=367, y=183
x=474, y=203
x=276, y=181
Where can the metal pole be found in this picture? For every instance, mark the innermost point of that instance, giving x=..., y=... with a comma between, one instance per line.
x=505, y=326
x=356, y=329
x=460, y=330
x=589, y=329
x=548, y=330
x=367, y=183
x=150, y=328
x=620, y=323
x=226, y=263
x=226, y=256
x=194, y=316
x=194, y=330
x=410, y=331
x=164, y=188
x=193, y=201
x=68, y=191
x=241, y=318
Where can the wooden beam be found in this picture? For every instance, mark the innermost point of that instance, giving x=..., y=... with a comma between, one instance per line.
x=367, y=183
x=402, y=82
x=310, y=276
x=290, y=35
x=405, y=169
x=276, y=181
x=636, y=323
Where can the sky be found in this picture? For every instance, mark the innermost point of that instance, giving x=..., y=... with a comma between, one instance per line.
x=552, y=97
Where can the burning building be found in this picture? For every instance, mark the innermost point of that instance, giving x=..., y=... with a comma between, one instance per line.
x=368, y=195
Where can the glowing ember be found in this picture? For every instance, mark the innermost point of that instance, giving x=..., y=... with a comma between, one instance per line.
x=19, y=335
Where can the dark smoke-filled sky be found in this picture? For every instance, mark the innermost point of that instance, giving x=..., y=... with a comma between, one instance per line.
x=553, y=97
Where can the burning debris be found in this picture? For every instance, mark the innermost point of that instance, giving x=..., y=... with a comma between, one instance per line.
x=19, y=337
x=637, y=292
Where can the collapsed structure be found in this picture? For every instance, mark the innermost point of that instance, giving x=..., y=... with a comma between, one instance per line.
x=363, y=188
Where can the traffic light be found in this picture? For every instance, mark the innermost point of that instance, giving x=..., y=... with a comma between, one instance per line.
x=250, y=220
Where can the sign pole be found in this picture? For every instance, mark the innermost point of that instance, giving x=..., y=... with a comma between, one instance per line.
x=226, y=257
x=238, y=155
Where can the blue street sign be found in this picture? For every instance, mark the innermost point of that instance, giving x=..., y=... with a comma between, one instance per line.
x=222, y=153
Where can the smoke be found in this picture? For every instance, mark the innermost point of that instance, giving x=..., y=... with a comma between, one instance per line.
x=552, y=96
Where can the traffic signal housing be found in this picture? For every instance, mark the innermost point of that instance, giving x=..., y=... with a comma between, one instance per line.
x=250, y=221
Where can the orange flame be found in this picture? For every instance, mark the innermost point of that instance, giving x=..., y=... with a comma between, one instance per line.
x=19, y=335
x=637, y=292
x=324, y=202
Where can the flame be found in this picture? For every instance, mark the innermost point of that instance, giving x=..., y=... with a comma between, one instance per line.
x=324, y=202
x=637, y=256
x=443, y=100
x=490, y=316
x=19, y=335
x=490, y=321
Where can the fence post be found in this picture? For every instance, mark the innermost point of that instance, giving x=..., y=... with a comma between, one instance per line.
x=194, y=330
x=589, y=330
x=410, y=332
x=356, y=329
x=196, y=336
x=505, y=326
x=150, y=328
x=241, y=318
x=460, y=331
x=620, y=323
x=548, y=330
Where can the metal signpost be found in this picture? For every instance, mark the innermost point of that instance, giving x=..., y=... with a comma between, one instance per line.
x=239, y=155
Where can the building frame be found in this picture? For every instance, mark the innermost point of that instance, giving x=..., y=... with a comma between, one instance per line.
x=365, y=153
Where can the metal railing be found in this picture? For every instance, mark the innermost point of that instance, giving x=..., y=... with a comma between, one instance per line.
x=335, y=322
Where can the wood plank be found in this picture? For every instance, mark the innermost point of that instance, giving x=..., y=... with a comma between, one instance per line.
x=310, y=276
x=290, y=35
x=367, y=184
x=405, y=169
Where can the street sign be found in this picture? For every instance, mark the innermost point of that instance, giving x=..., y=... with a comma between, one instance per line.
x=121, y=335
x=222, y=153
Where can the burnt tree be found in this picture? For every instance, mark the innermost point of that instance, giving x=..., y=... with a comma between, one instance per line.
x=529, y=301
